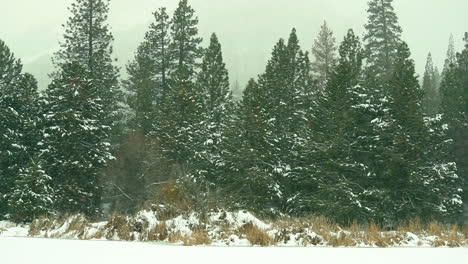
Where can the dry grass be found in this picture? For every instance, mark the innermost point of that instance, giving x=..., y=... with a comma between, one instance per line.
x=38, y=225
x=341, y=239
x=305, y=231
x=158, y=233
x=121, y=226
x=255, y=235
x=434, y=229
x=198, y=237
x=414, y=225
x=176, y=237
x=77, y=223
x=97, y=235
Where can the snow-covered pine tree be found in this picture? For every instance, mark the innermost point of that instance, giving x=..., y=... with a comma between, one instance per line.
x=75, y=140
x=141, y=90
x=213, y=82
x=88, y=41
x=18, y=123
x=146, y=88
x=160, y=40
x=271, y=126
x=148, y=73
x=85, y=99
x=180, y=115
x=382, y=39
x=335, y=156
x=454, y=91
x=324, y=51
x=32, y=195
x=245, y=180
x=413, y=174
x=431, y=99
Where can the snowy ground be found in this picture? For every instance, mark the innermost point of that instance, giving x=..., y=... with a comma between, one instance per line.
x=16, y=250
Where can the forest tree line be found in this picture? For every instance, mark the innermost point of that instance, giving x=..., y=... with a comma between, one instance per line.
x=345, y=132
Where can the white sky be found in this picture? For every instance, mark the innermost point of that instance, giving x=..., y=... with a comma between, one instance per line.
x=248, y=29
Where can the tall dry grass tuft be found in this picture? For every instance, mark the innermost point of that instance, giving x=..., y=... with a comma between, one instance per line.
x=255, y=235
x=413, y=225
x=434, y=229
x=39, y=225
x=198, y=237
x=120, y=226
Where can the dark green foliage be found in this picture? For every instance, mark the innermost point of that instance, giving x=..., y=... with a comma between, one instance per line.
x=382, y=39
x=185, y=47
x=180, y=115
x=271, y=114
x=19, y=132
x=147, y=83
x=82, y=109
x=430, y=86
x=454, y=91
x=32, y=195
x=88, y=41
x=76, y=146
x=213, y=83
x=335, y=154
x=141, y=89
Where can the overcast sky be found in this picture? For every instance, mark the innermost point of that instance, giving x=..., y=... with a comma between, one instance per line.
x=247, y=29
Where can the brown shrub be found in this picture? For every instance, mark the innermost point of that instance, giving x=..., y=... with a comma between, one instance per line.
x=255, y=235
x=158, y=233
x=38, y=225
x=77, y=223
x=413, y=225
x=377, y=237
x=342, y=239
x=176, y=238
x=198, y=237
x=97, y=235
x=434, y=229
x=120, y=225
x=323, y=224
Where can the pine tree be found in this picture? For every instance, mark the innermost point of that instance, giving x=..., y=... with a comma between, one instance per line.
x=334, y=156
x=140, y=86
x=271, y=114
x=431, y=99
x=213, y=82
x=18, y=118
x=382, y=39
x=185, y=47
x=82, y=108
x=246, y=181
x=451, y=58
x=76, y=146
x=454, y=91
x=88, y=41
x=146, y=87
x=415, y=177
x=148, y=73
x=32, y=195
x=160, y=41
x=181, y=113
x=324, y=51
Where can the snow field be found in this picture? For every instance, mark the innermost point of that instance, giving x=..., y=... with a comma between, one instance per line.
x=15, y=250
